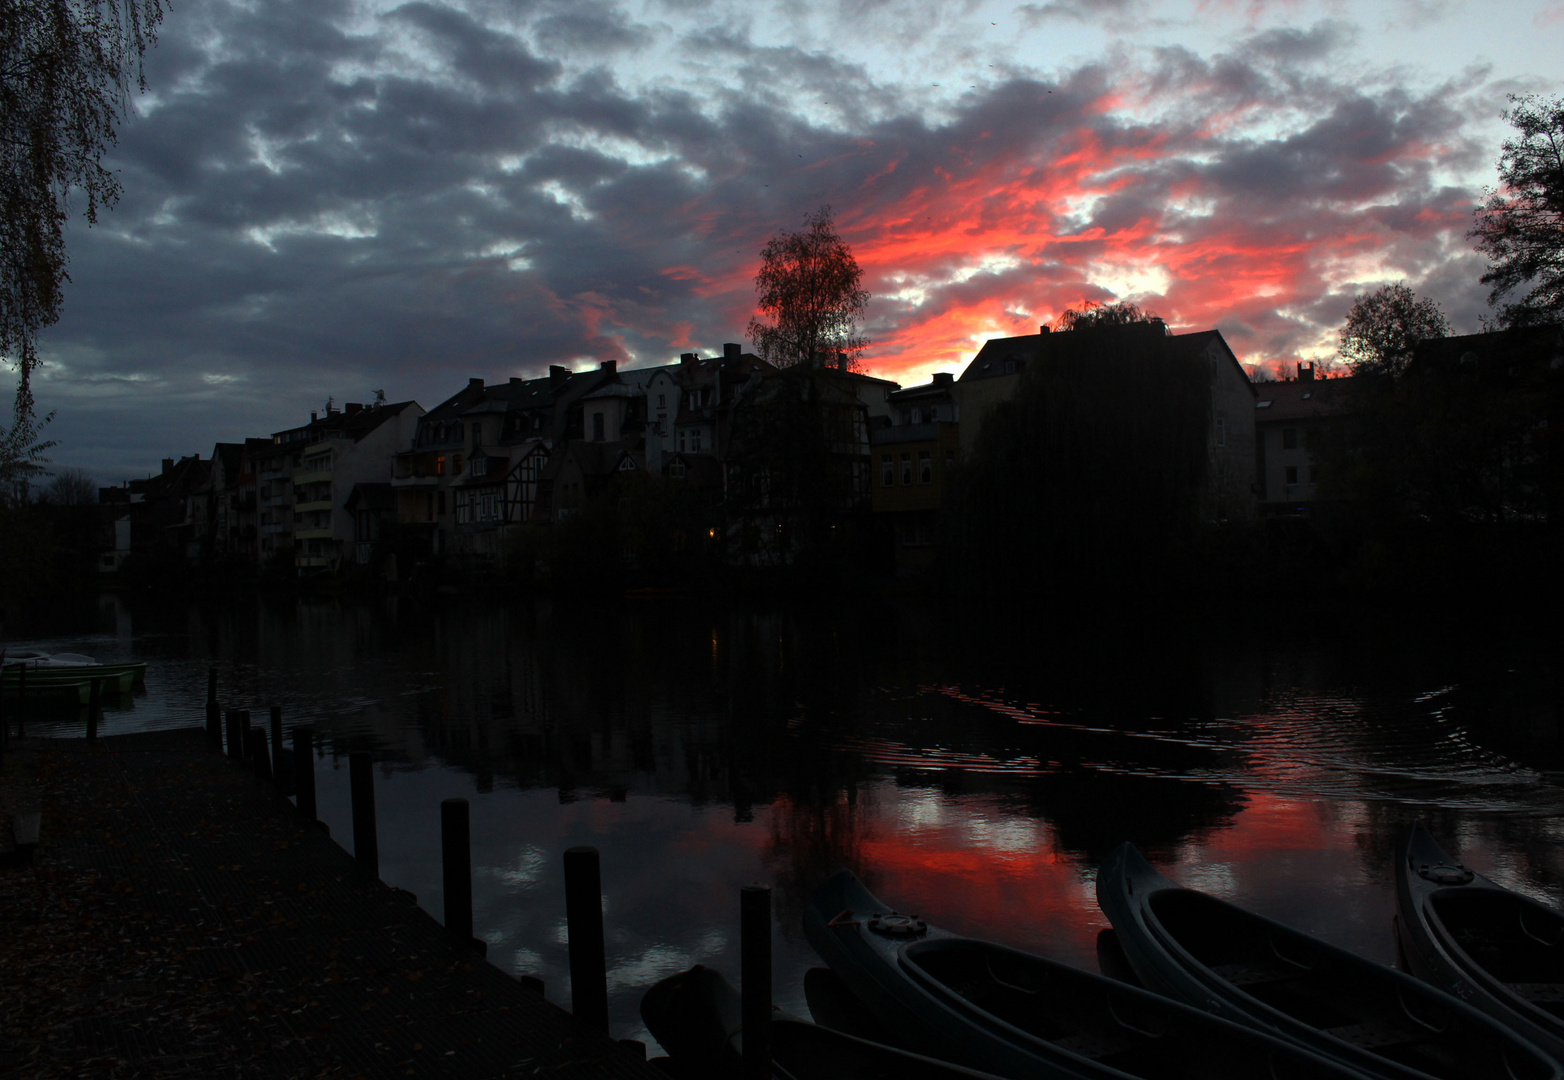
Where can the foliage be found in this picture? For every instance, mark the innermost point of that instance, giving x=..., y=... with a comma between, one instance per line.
x=809, y=287
x=1092, y=315
x=66, y=68
x=1091, y=476
x=73, y=487
x=22, y=456
x=1384, y=326
x=1520, y=226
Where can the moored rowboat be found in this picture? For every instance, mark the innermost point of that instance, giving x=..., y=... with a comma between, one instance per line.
x=1487, y=945
x=696, y=1016
x=1018, y=1015
x=1246, y=967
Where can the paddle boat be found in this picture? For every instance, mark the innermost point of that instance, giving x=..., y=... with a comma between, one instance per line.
x=1023, y=1016
x=1253, y=970
x=1487, y=945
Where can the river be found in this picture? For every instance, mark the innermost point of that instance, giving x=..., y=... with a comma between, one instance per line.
x=972, y=765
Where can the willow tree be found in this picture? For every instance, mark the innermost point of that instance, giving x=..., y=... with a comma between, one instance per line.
x=810, y=288
x=66, y=72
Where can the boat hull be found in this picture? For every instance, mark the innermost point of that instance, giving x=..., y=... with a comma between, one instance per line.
x=696, y=1015
x=1487, y=945
x=1251, y=969
x=1019, y=1015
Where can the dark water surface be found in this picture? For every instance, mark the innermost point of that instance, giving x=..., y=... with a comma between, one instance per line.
x=970, y=765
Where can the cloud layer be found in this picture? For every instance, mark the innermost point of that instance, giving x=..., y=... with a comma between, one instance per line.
x=327, y=199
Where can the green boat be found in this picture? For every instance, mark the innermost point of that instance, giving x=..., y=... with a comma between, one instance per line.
x=118, y=679
x=48, y=693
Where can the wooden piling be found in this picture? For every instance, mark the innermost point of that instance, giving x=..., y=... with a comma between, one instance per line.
x=235, y=736
x=304, y=768
x=278, y=776
x=94, y=709
x=584, y=937
x=361, y=777
x=755, y=980
x=456, y=859
x=259, y=760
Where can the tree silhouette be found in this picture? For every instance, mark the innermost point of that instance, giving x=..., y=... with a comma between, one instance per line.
x=1091, y=315
x=1520, y=226
x=809, y=287
x=1384, y=326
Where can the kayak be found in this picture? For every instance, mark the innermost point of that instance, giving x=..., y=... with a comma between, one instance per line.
x=696, y=1016
x=1247, y=968
x=1023, y=1016
x=1494, y=948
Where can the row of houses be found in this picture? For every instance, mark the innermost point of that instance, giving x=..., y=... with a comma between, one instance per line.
x=456, y=480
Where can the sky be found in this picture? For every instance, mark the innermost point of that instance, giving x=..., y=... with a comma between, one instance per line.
x=328, y=198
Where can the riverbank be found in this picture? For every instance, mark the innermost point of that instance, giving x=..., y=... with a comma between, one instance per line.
x=180, y=919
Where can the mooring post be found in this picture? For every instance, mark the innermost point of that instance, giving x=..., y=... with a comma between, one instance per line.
x=361, y=777
x=304, y=768
x=456, y=857
x=259, y=760
x=755, y=980
x=214, y=725
x=231, y=721
x=584, y=937
x=278, y=753
x=94, y=709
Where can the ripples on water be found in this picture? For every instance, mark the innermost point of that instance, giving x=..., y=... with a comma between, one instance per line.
x=971, y=769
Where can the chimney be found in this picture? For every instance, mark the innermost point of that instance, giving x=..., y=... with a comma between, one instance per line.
x=475, y=384
x=351, y=407
x=168, y=463
x=942, y=378
x=314, y=416
x=687, y=358
x=1305, y=372
x=609, y=366
x=731, y=350
x=1043, y=329
x=1159, y=326
x=557, y=374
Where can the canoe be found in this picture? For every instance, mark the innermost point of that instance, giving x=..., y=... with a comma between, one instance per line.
x=1023, y=1016
x=56, y=664
x=696, y=1016
x=1245, y=967
x=116, y=682
x=1489, y=946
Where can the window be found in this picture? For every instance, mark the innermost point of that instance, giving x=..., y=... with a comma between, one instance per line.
x=917, y=416
x=681, y=442
x=456, y=465
x=695, y=441
x=906, y=467
x=925, y=468
x=463, y=508
x=1290, y=474
x=676, y=470
x=597, y=427
x=887, y=470
x=439, y=465
x=480, y=466
x=662, y=401
x=1289, y=438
